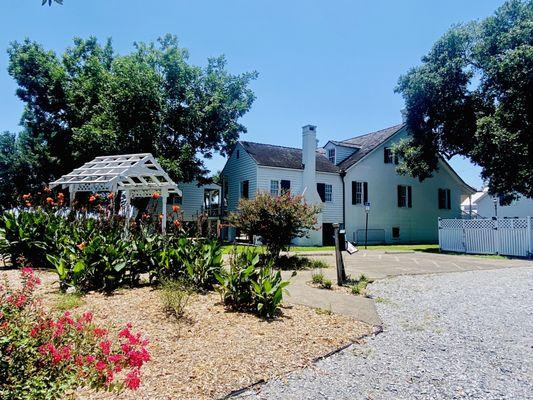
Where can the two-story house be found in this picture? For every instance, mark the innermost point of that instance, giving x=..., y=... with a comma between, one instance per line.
x=342, y=177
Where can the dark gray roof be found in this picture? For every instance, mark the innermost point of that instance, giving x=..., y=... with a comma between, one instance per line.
x=284, y=157
x=366, y=143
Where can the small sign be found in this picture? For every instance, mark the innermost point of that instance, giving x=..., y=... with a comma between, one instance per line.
x=367, y=206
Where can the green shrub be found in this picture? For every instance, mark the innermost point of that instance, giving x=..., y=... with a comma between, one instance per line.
x=318, y=277
x=249, y=285
x=175, y=296
x=360, y=286
x=299, y=263
x=327, y=284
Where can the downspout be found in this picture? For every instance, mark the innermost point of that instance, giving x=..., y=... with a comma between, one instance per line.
x=343, y=174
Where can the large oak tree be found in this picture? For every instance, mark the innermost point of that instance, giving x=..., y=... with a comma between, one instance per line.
x=472, y=96
x=90, y=101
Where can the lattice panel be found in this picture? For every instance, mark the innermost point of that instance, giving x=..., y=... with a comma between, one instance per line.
x=479, y=224
x=451, y=224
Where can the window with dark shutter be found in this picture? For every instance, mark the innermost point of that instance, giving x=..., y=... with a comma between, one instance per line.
x=445, y=199
x=321, y=189
x=285, y=186
x=405, y=195
x=245, y=188
x=365, y=192
x=448, y=199
x=387, y=155
x=441, y=199
x=354, y=191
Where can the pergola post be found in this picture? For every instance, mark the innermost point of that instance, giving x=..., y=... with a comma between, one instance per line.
x=164, y=196
x=72, y=196
x=127, y=209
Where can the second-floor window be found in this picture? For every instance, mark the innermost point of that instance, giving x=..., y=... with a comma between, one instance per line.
x=331, y=155
x=359, y=192
x=274, y=188
x=405, y=196
x=245, y=189
x=325, y=191
x=389, y=157
x=445, y=202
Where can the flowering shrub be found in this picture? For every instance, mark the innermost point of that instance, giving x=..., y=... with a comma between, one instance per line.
x=278, y=220
x=42, y=357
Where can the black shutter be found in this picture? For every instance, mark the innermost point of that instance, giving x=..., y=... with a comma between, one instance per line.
x=409, y=197
x=245, y=189
x=365, y=192
x=441, y=197
x=285, y=185
x=386, y=155
x=321, y=189
x=400, y=196
x=354, y=190
x=448, y=199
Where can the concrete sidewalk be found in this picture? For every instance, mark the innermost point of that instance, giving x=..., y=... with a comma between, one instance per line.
x=379, y=265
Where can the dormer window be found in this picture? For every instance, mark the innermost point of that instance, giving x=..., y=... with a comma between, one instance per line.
x=331, y=155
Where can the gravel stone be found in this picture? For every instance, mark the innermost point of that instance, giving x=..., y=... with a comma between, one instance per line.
x=462, y=335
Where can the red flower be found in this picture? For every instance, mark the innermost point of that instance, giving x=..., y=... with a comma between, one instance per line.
x=49, y=200
x=155, y=195
x=111, y=196
x=177, y=223
x=132, y=380
x=26, y=197
x=100, y=332
x=175, y=208
x=100, y=365
x=92, y=199
x=105, y=345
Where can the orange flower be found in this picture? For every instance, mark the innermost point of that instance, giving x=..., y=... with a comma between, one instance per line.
x=92, y=199
x=47, y=190
x=26, y=197
x=111, y=195
x=49, y=200
x=175, y=208
x=28, y=204
x=155, y=195
x=177, y=223
x=60, y=195
x=160, y=217
x=82, y=246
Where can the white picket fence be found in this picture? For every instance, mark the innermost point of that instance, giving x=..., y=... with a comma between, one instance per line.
x=505, y=236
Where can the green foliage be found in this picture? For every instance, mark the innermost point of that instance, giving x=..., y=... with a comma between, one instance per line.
x=327, y=284
x=97, y=254
x=175, y=296
x=251, y=285
x=277, y=220
x=359, y=287
x=318, y=277
x=90, y=101
x=299, y=263
x=472, y=96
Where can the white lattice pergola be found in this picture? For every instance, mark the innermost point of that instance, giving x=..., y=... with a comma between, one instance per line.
x=138, y=175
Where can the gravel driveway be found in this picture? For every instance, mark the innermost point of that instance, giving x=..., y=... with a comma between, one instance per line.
x=462, y=335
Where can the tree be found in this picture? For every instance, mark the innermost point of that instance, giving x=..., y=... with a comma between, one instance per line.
x=277, y=220
x=90, y=101
x=50, y=2
x=472, y=96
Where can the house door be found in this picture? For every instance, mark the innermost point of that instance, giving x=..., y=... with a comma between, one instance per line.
x=327, y=235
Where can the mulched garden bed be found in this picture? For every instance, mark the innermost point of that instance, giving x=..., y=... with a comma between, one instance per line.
x=211, y=351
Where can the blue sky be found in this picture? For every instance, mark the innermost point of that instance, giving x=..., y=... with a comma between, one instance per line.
x=333, y=64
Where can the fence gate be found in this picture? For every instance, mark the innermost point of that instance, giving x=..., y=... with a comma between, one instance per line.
x=506, y=236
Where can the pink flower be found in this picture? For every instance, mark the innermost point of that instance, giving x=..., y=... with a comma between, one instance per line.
x=100, y=365
x=132, y=380
x=105, y=345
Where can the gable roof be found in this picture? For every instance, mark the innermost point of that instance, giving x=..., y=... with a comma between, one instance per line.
x=366, y=143
x=284, y=157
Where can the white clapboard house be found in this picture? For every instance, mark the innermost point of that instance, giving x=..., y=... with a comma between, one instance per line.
x=342, y=176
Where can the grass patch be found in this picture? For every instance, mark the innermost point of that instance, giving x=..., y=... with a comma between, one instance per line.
x=227, y=248
x=320, y=280
x=324, y=311
x=175, y=296
x=359, y=285
x=68, y=301
x=402, y=247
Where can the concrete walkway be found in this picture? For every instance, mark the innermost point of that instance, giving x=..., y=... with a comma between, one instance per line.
x=379, y=265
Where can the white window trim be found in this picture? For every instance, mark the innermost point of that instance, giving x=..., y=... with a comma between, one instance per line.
x=326, y=186
x=274, y=188
x=332, y=154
